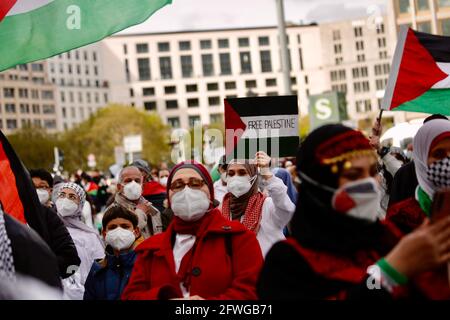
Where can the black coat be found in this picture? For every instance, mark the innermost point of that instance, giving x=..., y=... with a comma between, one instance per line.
x=32, y=256
x=60, y=242
x=404, y=184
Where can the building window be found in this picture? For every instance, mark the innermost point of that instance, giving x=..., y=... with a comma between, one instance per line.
x=230, y=85
x=184, y=45
x=293, y=80
x=246, y=62
x=264, y=41
x=48, y=109
x=11, y=124
x=194, y=121
x=381, y=42
x=172, y=104
x=424, y=27
x=300, y=53
x=336, y=35
x=231, y=96
x=207, y=65
x=338, y=48
x=266, y=61
x=271, y=82
x=338, y=60
x=144, y=69
x=170, y=90
x=8, y=92
x=358, y=31
x=50, y=124
x=359, y=45
x=223, y=43
x=445, y=25
x=23, y=67
x=225, y=63
x=141, y=48
x=186, y=66
x=361, y=58
x=23, y=93
x=382, y=54
x=10, y=108
x=214, y=101
x=243, y=42
x=47, y=94
x=173, y=122
x=216, y=118
x=250, y=84
x=38, y=67
x=381, y=84
x=150, y=105
x=443, y=3
x=214, y=86
x=165, y=66
x=422, y=5
x=163, y=46
x=149, y=91
x=404, y=6
x=36, y=108
x=205, y=44
x=193, y=103
x=191, y=88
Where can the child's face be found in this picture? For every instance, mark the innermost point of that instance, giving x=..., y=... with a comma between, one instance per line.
x=122, y=223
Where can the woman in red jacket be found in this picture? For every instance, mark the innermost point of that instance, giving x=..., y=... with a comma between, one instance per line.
x=201, y=255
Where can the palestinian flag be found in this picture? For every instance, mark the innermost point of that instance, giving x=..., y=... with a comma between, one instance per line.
x=37, y=29
x=18, y=196
x=267, y=124
x=419, y=79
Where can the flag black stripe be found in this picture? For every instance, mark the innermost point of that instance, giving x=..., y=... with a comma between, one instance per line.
x=437, y=46
x=255, y=106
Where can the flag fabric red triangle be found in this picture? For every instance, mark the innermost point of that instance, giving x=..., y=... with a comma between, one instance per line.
x=233, y=122
x=5, y=7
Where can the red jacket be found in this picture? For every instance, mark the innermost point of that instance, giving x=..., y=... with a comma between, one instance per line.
x=406, y=215
x=220, y=274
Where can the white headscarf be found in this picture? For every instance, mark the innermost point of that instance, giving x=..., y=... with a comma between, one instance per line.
x=421, y=149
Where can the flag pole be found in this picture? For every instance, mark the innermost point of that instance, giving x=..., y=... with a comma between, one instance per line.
x=283, y=47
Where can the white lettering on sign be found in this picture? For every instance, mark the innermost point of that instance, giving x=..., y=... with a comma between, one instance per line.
x=323, y=109
x=271, y=126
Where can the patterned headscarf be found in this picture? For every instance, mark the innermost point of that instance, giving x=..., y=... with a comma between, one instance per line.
x=7, y=270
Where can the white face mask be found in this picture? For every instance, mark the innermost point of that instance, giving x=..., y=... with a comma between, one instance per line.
x=120, y=239
x=43, y=195
x=163, y=181
x=132, y=190
x=360, y=199
x=190, y=204
x=223, y=177
x=240, y=185
x=66, y=207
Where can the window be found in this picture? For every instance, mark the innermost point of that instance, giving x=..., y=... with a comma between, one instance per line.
x=39, y=67
x=338, y=48
x=150, y=105
x=10, y=108
x=359, y=45
x=36, y=108
x=205, y=44
x=266, y=61
x=216, y=118
x=207, y=65
x=73, y=112
x=246, y=63
x=194, y=121
x=422, y=5
x=338, y=60
x=11, y=124
x=230, y=85
x=361, y=57
x=47, y=94
x=144, y=69
x=48, y=109
x=336, y=35
x=63, y=96
x=364, y=105
x=184, y=45
x=94, y=56
x=445, y=25
x=165, y=66
x=300, y=52
x=299, y=39
x=424, y=27
x=23, y=93
x=172, y=104
x=380, y=28
x=404, y=6
x=96, y=70
x=163, y=46
x=142, y=48
x=271, y=82
x=49, y=124
x=173, y=122
x=186, y=66
x=170, y=89
x=223, y=43
x=193, y=103
x=85, y=55
x=443, y=3
x=214, y=86
x=380, y=84
x=8, y=92
x=293, y=80
x=249, y=84
x=381, y=42
x=225, y=63
x=358, y=31
x=264, y=41
x=125, y=49
x=243, y=42
x=214, y=101
x=191, y=88
x=382, y=54
x=23, y=67
x=149, y=91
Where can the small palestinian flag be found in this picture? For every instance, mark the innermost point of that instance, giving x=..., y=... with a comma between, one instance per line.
x=267, y=124
x=18, y=196
x=37, y=29
x=419, y=79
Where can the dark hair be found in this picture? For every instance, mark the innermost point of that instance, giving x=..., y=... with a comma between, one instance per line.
x=435, y=117
x=116, y=211
x=43, y=175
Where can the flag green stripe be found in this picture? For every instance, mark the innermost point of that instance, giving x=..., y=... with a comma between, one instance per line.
x=43, y=32
x=433, y=101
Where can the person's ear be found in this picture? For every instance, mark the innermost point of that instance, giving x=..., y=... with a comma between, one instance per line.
x=137, y=233
x=104, y=233
x=119, y=187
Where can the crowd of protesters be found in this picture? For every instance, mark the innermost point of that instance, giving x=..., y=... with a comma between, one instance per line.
x=348, y=218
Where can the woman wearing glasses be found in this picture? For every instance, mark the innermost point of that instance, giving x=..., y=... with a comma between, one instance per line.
x=69, y=204
x=201, y=255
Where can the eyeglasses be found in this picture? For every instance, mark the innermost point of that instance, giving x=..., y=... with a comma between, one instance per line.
x=193, y=183
x=69, y=196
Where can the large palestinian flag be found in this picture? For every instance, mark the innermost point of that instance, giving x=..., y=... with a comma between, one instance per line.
x=419, y=79
x=37, y=29
x=267, y=124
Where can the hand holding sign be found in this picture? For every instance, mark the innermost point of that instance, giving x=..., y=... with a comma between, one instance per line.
x=262, y=160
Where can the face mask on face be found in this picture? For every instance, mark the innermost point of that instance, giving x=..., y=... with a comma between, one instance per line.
x=438, y=173
x=120, y=239
x=66, y=207
x=163, y=181
x=223, y=177
x=190, y=204
x=360, y=199
x=132, y=190
x=240, y=185
x=43, y=195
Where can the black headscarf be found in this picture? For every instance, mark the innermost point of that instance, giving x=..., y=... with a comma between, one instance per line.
x=316, y=224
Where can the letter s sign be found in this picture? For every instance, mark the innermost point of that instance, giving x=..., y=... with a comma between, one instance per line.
x=323, y=109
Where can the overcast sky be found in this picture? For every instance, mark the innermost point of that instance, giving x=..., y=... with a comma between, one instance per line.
x=214, y=14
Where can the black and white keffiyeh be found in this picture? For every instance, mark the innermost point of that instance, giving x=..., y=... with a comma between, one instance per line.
x=7, y=270
x=439, y=173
